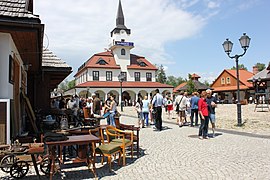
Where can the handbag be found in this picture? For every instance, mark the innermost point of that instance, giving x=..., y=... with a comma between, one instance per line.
x=178, y=104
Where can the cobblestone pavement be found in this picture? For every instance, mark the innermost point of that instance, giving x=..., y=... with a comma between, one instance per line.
x=177, y=153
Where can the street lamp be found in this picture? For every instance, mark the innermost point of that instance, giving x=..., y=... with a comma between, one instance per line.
x=227, y=45
x=121, y=78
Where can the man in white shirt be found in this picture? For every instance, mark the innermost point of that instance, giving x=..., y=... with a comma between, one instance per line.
x=157, y=103
x=181, y=101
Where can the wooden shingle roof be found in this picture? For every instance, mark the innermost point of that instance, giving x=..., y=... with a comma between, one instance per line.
x=16, y=8
x=51, y=60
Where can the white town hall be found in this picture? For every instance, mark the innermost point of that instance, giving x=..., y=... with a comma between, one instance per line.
x=102, y=73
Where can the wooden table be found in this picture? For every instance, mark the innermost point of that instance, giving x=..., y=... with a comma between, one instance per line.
x=83, y=141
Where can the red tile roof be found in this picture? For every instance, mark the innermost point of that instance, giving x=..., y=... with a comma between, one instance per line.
x=230, y=88
x=244, y=75
x=108, y=57
x=178, y=87
x=135, y=60
x=115, y=84
x=195, y=76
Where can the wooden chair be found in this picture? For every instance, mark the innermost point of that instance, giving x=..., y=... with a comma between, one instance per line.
x=118, y=137
x=105, y=149
x=136, y=137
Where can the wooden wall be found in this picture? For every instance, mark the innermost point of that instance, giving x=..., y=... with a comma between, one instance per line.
x=3, y=117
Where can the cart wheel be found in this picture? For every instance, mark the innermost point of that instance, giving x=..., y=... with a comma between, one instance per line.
x=7, y=162
x=45, y=165
x=19, y=169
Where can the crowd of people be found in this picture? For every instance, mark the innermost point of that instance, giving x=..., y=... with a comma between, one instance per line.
x=189, y=110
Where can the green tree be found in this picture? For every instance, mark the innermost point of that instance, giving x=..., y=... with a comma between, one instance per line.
x=191, y=85
x=240, y=66
x=65, y=85
x=206, y=83
x=171, y=80
x=71, y=84
x=161, y=75
x=261, y=66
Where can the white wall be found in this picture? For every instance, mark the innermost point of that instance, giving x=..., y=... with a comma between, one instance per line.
x=7, y=47
x=6, y=89
x=131, y=76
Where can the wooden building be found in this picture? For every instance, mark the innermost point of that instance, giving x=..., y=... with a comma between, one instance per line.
x=22, y=71
x=225, y=85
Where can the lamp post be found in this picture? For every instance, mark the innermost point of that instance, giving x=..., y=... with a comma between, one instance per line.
x=227, y=45
x=121, y=78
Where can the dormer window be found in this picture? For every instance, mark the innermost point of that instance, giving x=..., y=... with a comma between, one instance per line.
x=142, y=64
x=123, y=52
x=101, y=61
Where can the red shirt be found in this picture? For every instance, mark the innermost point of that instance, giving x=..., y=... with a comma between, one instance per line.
x=203, y=107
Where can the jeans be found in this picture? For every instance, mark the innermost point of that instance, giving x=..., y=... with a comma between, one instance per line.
x=203, y=131
x=112, y=120
x=145, y=117
x=194, y=111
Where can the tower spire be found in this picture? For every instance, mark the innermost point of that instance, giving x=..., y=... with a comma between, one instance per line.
x=120, y=20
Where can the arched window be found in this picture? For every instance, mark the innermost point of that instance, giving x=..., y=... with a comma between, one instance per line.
x=123, y=52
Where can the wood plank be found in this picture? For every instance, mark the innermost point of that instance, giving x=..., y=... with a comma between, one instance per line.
x=3, y=133
x=30, y=112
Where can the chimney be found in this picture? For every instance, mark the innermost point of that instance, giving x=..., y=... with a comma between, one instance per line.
x=255, y=69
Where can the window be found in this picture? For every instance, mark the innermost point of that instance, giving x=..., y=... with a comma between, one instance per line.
x=222, y=80
x=228, y=80
x=95, y=75
x=101, y=61
x=125, y=75
x=123, y=52
x=148, y=76
x=108, y=75
x=137, y=76
x=142, y=64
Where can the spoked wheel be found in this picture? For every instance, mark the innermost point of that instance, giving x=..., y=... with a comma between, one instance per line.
x=7, y=162
x=45, y=165
x=19, y=169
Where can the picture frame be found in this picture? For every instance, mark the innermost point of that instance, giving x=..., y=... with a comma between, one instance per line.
x=11, y=70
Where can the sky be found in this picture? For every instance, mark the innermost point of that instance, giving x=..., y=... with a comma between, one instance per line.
x=185, y=36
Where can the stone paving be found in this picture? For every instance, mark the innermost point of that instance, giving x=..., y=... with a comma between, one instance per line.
x=177, y=153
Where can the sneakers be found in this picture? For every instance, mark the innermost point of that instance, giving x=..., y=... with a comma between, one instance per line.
x=206, y=137
x=200, y=137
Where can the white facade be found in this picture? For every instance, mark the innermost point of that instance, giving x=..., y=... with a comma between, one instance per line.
x=120, y=46
x=7, y=49
x=87, y=75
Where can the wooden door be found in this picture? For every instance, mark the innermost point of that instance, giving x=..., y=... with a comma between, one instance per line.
x=16, y=98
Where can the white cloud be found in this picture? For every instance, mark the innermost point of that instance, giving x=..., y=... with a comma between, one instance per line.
x=76, y=27
x=213, y=4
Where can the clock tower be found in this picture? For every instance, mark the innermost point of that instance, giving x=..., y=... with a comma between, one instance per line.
x=120, y=45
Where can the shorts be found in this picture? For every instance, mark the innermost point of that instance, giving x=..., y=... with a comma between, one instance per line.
x=182, y=113
x=212, y=118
